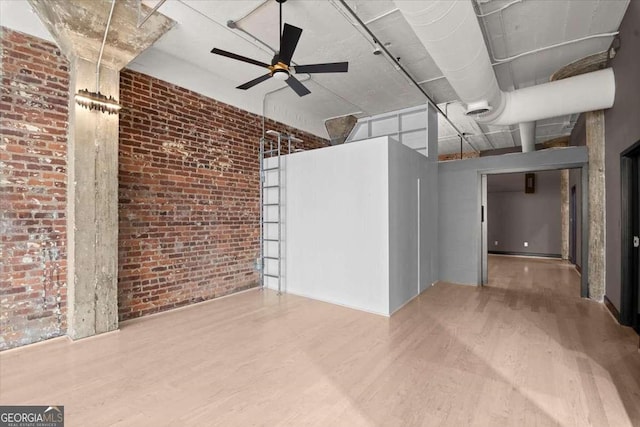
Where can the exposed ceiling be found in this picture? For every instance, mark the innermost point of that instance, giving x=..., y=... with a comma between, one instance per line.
x=528, y=40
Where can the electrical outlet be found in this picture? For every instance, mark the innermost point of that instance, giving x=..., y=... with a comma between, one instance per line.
x=526, y=244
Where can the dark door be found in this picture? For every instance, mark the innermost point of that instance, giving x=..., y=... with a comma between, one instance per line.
x=630, y=179
x=572, y=225
x=636, y=238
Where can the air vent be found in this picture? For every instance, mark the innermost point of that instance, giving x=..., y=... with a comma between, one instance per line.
x=479, y=107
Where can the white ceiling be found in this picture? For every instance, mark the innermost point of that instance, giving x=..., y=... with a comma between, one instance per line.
x=373, y=85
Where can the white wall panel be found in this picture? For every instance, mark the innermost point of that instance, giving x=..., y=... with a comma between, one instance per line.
x=337, y=225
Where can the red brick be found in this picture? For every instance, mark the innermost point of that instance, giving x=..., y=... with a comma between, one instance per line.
x=38, y=275
x=164, y=195
x=188, y=224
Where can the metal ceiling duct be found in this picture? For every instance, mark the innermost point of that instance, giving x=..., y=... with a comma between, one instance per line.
x=586, y=92
x=450, y=31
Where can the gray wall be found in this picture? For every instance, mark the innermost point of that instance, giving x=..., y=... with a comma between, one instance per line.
x=413, y=218
x=404, y=223
x=459, y=203
x=515, y=217
x=622, y=129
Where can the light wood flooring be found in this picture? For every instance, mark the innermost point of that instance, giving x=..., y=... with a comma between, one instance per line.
x=523, y=351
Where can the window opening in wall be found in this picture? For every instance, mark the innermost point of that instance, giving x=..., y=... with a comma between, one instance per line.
x=408, y=126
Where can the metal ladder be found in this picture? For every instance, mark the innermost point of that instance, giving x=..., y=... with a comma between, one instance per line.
x=271, y=210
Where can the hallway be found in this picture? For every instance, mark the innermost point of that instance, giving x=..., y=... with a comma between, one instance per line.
x=525, y=350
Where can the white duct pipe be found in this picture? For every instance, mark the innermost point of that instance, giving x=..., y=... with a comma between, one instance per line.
x=528, y=136
x=450, y=31
x=586, y=92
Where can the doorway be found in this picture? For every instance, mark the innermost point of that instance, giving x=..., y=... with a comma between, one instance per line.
x=630, y=180
x=573, y=225
x=488, y=244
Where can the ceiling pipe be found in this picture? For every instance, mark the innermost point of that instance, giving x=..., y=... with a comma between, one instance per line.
x=499, y=61
x=451, y=34
x=141, y=20
x=104, y=41
x=528, y=136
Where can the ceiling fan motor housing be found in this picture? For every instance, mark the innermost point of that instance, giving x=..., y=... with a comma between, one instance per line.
x=280, y=74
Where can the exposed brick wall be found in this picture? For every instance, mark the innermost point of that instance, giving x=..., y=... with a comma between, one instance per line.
x=188, y=193
x=33, y=150
x=456, y=156
x=189, y=196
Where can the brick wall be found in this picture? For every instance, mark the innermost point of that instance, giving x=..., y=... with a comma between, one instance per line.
x=33, y=128
x=456, y=156
x=189, y=196
x=188, y=193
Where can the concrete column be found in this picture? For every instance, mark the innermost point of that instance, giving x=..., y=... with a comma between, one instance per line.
x=78, y=26
x=595, y=145
x=564, y=212
x=92, y=207
x=339, y=128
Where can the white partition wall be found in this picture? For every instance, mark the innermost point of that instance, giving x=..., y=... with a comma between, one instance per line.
x=355, y=220
x=336, y=225
x=413, y=218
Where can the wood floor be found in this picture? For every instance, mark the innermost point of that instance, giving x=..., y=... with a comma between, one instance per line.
x=523, y=351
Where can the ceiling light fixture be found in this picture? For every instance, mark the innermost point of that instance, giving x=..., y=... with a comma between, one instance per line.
x=280, y=73
x=96, y=100
x=376, y=48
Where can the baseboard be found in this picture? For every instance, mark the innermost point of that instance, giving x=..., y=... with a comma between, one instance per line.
x=612, y=308
x=411, y=299
x=526, y=254
x=330, y=301
x=47, y=341
x=186, y=306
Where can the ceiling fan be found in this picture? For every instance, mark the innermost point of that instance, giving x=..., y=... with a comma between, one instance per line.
x=280, y=67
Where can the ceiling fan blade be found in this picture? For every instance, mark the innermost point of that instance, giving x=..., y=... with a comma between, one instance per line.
x=252, y=83
x=298, y=87
x=289, y=41
x=239, y=57
x=333, y=67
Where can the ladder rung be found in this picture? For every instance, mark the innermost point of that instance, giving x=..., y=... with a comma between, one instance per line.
x=270, y=169
x=271, y=240
x=271, y=275
x=270, y=204
x=271, y=186
x=271, y=257
x=270, y=222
